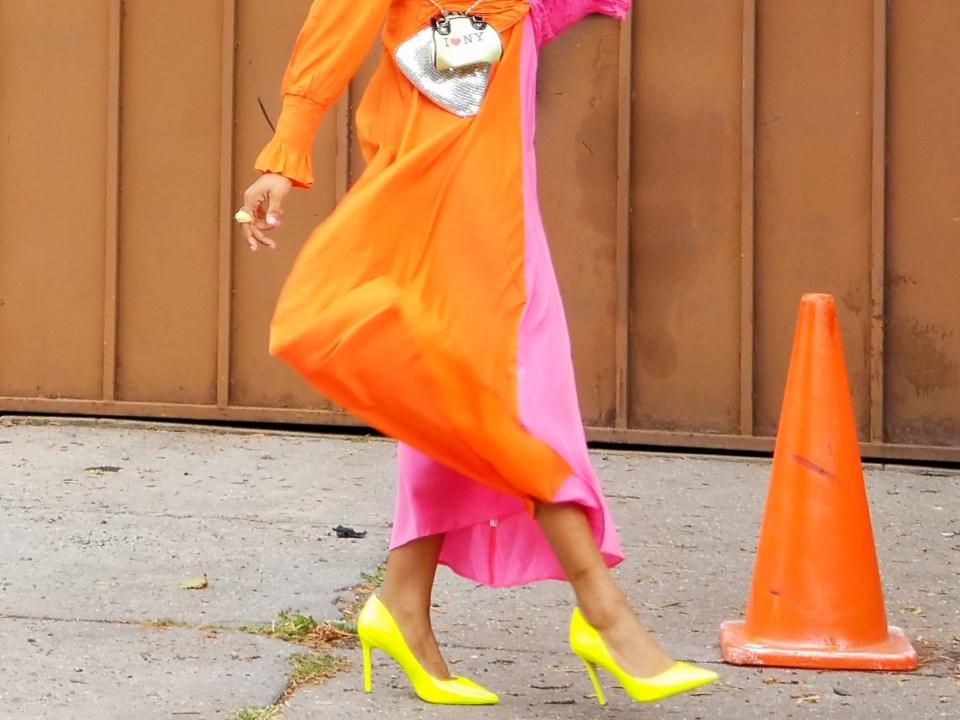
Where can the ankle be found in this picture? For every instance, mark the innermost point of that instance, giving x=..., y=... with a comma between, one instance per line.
x=599, y=597
x=604, y=612
x=406, y=610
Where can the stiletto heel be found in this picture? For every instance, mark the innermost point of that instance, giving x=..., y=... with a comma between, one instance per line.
x=367, y=670
x=596, y=682
x=680, y=677
x=377, y=629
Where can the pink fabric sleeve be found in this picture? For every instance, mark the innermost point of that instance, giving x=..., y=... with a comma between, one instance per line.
x=552, y=17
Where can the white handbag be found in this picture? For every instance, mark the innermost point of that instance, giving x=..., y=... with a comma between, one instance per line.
x=463, y=40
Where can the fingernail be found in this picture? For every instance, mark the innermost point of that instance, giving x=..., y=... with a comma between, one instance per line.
x=272, y=220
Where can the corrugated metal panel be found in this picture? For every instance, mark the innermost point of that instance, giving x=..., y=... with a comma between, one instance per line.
x=705, y=165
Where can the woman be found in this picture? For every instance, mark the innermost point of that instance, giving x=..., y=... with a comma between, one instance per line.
x=427, y=306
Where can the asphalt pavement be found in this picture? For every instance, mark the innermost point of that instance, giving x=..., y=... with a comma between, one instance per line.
x=103, y=521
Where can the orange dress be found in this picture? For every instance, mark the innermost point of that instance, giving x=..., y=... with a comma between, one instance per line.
x=426, y=304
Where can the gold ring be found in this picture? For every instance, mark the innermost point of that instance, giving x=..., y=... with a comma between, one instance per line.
x=243, y=216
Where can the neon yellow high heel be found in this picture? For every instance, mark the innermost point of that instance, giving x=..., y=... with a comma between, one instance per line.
x=587, y=644
x=377, y=629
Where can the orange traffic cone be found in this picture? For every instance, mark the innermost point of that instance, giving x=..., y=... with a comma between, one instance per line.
x=816, y=599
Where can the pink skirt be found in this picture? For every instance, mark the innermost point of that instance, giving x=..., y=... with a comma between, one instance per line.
x=490, y=537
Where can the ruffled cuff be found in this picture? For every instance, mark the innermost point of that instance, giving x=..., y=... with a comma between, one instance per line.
x=552, y=17
x=288, y=152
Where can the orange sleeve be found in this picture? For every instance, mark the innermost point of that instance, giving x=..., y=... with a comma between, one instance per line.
x=330, y=47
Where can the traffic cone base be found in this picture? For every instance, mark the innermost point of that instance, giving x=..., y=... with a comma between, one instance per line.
x=895, y=653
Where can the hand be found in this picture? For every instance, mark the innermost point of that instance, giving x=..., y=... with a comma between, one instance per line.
x=263, y=200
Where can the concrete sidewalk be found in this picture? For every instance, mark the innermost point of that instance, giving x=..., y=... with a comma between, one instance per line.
x=101, y=521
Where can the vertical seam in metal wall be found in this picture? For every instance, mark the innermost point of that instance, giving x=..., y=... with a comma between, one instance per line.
x=225, y=257
x=878, y=221
x=112, y=202
x=624, y=172
x=748, y=141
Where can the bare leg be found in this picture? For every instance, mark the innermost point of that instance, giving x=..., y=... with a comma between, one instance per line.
x=601, y=600
x=406, y=591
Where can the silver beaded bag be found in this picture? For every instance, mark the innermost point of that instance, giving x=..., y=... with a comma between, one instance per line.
x=450, y=60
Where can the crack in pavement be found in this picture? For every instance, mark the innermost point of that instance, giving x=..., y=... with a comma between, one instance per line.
x=176, y=516
x=47, y=618
x=446, y=645
x=149, y=624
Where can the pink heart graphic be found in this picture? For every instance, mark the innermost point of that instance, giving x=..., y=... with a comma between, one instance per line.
x=454, y=41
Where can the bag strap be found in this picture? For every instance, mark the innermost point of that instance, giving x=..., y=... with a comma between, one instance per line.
x=444, y=12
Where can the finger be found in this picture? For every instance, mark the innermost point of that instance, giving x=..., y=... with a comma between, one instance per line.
x=248, y=236
x=253, y=201
x=262, y=239
x=274, y=201
x=263, y=223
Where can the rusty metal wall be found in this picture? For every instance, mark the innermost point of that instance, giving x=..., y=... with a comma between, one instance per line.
x=705, y=164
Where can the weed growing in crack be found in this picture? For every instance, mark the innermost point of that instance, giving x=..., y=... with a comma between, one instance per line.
x=261, y=713
x=375, y=578
x=165, y=623
x=294, y=626
x=290, y=625
x=313, y=667
x=351, y=603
